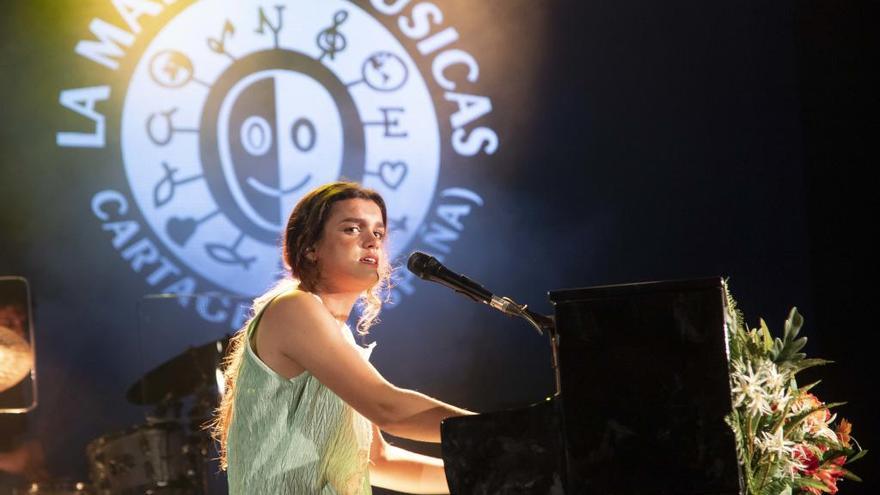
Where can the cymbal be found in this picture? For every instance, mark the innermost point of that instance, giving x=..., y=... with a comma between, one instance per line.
x=16, y=358
x=180, y=376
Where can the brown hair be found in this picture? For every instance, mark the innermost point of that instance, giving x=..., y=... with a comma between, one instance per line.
x=304, y=229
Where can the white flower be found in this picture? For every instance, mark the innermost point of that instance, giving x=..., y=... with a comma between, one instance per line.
x=775, y=443
x=776, y=385
x=749, y=389
x=773, y=379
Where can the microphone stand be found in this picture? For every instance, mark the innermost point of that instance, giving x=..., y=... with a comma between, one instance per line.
x=541, y=323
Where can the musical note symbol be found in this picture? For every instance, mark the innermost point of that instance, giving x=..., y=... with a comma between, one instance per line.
x=219, y=46
x=229, y=255
x=164, y=190
x=330, y=40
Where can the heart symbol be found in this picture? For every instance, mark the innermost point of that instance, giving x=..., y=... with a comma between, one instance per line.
x=181, y=229
x=392, y=173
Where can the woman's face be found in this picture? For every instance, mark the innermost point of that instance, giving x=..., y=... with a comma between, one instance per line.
x=350, y=249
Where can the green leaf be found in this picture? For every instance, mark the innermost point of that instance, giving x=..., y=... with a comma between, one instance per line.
x=858, y=456
x=812, y=483
x=799, y=418
x=793, y=324
x=790, y=350
x=803, y=364
x=832, y=405
x=831, y=454
x=850, y=475
x=765, y=334
x=796, y=345
x=807, y=388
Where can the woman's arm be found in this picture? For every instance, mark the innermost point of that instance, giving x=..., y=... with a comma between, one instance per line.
x=417, y=416
x=304, y=331
x=404, y=471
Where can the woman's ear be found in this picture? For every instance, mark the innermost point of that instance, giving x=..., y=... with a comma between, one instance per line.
x=310, y=254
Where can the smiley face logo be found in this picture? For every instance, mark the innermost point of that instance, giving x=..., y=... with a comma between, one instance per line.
x=236, y=110
x=270, y=148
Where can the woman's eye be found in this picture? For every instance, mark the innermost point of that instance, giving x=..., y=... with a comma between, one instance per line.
x=353, y=229
x=379, y=235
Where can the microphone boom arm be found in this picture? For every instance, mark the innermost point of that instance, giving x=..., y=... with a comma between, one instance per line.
x=509, y=307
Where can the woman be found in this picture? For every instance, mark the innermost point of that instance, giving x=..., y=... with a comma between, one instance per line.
x=303, y=407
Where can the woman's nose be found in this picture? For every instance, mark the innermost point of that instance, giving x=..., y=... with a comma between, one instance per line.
x=370, y=240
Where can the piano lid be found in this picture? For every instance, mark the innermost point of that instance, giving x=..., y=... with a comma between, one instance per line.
x=621, y=290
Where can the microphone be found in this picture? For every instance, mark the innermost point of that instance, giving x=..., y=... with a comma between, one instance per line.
x=427, y=267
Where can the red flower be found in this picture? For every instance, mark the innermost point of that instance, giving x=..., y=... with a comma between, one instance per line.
x=829, y=476
x=805, y=456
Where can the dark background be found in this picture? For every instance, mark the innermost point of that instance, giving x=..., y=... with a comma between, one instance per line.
x=639, y=141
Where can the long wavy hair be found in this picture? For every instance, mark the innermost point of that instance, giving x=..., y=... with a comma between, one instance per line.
x=305, y=226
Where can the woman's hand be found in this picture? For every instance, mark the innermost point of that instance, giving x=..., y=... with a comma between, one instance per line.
x=398, y=469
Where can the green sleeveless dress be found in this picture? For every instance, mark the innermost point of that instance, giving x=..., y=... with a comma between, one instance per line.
x=294, y=436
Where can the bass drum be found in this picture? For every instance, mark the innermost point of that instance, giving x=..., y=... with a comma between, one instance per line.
x=145, y=459
x=54, y=488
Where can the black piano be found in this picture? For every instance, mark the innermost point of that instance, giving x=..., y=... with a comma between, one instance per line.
x=642, y=391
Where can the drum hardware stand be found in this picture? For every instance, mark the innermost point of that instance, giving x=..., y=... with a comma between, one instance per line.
x=160, y=413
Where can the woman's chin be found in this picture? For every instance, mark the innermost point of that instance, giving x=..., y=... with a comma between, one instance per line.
x=364, y=278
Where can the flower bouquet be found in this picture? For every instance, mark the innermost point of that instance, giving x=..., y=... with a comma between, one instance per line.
x=788, y=441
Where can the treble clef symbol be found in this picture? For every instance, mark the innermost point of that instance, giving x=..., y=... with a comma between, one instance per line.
x=331, y=40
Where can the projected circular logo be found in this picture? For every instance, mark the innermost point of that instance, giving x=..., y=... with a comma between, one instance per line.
x=227, y=124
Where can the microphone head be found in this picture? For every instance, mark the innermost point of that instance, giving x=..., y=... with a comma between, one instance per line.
x=422, y=265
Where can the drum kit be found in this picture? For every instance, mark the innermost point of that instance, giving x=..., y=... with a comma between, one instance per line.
x=172, y=452
x=16, y=358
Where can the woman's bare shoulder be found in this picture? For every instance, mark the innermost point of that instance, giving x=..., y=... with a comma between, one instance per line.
x=294, y=309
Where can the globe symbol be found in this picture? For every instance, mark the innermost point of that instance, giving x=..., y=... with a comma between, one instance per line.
x=384, y=71
x=171, y=68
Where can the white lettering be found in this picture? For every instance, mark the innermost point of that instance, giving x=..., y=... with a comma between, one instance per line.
x=480, y=139
x=203, y=307
x=422, y=16
x=107, y=49
x=123, y=231
x=460, y=192
x=141, y=253
x=453, y=214
x=439, y=236
x=131, y=10
x=437, y=41
x=109, y=196
x=449, y=58
x=82, y=101
x=387, y=9
x=184, y=288
x=470, y=108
